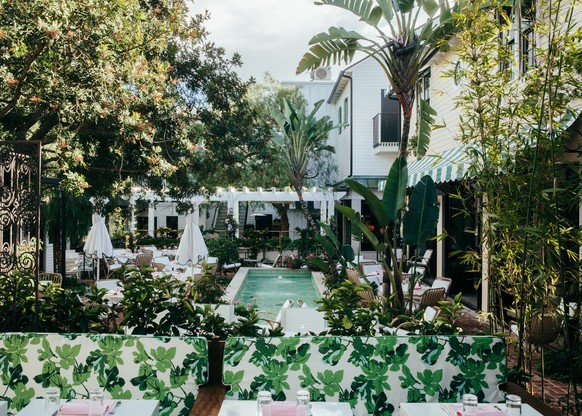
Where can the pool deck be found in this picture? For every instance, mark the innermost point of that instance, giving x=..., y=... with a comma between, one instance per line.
x=236, y=282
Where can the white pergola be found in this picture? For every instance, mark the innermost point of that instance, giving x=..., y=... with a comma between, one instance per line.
x=232, y=196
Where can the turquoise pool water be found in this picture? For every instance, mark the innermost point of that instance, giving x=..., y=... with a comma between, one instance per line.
x=273, y=287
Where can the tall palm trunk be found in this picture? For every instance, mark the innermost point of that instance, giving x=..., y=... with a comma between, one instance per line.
x=406, y=100
x=310, y=220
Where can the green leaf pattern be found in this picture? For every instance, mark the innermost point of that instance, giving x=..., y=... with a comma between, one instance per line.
x=126, y=366
x=372, y=374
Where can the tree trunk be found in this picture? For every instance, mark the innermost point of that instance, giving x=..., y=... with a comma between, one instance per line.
x=406, y=99
x=310, y=220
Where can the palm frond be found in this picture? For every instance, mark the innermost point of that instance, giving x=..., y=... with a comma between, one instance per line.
x=364, y=9
x=336, y=46
x=427, y=114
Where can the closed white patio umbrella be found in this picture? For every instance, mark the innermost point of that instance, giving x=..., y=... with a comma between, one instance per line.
x=98, y=242
x=192, y=248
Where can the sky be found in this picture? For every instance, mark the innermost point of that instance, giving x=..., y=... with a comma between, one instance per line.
x=270, y=35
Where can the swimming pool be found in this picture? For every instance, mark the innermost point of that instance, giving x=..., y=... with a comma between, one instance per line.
x=272, y=287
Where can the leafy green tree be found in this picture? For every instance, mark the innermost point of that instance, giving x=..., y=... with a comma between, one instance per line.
x=122, y=93
x=65, y=65
x=301, y=137
x=401, y=45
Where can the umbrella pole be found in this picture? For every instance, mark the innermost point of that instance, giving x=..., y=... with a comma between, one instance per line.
x=98, y=268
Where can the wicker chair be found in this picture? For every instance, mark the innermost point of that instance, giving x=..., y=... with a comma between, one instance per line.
x=443, y=282
x=144, y=260
x=54, y=278
x=158, y=267
x=366, y=295
x=429, y=298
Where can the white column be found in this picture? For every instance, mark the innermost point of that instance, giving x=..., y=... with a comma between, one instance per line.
x=323, y=212
x=356, y=206
x=236, y=214
x=440, y=249
x=151, y=218
x=132, y=218
x=232, y=206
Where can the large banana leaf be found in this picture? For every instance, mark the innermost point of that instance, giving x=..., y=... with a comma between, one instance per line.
x=364, y=9
x=373, y=201
x=394, y=196
x=427, y=115
x=419, y=223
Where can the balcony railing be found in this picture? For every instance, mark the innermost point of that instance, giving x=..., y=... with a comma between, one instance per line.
x=386, y=130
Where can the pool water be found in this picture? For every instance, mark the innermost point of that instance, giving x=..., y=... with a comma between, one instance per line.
x=272, y=288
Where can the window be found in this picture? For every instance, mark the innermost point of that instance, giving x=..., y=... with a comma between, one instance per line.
x=518, y=38
x=424, y=86
x=339, y=119
x=458, y=73
x=527, y=56
x=172, y=222
x=346, y=110
x=386, y=124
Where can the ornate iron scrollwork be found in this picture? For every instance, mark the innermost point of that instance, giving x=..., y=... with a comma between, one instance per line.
x=20, y=178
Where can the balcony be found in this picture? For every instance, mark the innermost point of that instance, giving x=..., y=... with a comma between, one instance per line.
x=386, y=132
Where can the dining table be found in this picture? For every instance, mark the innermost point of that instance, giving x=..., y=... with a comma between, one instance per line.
x=124, y=408
x=249, y=407
x=451, y=409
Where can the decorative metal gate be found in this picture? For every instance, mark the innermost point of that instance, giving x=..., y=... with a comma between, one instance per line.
x=20, y=178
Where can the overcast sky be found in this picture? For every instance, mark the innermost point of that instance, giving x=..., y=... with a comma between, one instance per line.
x=270, y=35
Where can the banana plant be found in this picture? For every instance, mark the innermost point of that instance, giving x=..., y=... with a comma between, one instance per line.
x=335, y=254
x=418, y=220
x=401, y=45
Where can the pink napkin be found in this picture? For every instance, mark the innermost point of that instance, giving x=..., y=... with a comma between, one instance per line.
x=284, y=409
x=484, y=410
x=81, y=407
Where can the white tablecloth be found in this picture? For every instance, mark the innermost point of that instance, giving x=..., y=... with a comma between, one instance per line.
x=126, y=408
x=438, y=409
x=249, y=408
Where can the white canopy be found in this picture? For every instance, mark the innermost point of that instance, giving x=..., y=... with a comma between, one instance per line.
x=98, y=243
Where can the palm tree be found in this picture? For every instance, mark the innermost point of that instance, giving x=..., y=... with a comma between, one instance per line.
x=301, y=138
x=401, y=48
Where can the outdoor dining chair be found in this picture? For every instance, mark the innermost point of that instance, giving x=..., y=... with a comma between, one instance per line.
x=144, y=260
x=54, y=278
x=430, y=297
x=366, y=295
x=429, y=315
x=443, y=282
x=421, y=261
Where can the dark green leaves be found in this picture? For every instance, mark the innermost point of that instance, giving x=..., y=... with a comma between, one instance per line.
x=422, y=216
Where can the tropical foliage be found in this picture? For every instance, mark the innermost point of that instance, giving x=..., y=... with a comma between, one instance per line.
x=301, y=136
x=373, y=374
x=418, y=221
x=516, y=109
x=131, y=88
x=402, y=45
x=127, y=367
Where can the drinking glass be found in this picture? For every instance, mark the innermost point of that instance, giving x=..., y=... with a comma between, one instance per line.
x=264, y=403
x=513, y=404
x=470, y=405
x=303, y=407
x=52, y=400
x=96, y=402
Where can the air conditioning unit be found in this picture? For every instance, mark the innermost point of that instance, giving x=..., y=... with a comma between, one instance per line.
x=321, y=74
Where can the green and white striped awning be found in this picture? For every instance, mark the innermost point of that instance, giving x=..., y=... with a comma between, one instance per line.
x=450, y=165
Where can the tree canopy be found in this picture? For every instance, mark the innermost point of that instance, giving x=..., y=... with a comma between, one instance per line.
x=124, y=92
